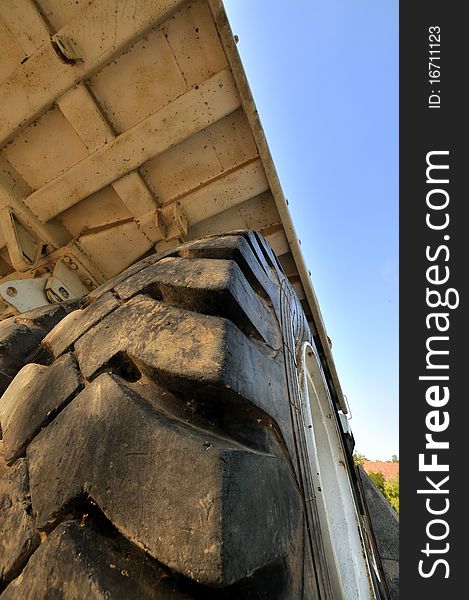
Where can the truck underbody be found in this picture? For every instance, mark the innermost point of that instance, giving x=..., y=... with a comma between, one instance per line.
x=148, y=258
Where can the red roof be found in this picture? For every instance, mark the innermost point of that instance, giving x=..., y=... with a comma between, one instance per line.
x=388, y=469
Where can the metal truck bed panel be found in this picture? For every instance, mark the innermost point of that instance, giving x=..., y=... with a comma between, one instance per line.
x=125, y=128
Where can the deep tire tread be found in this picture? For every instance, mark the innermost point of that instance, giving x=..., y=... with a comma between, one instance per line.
x=234, y=422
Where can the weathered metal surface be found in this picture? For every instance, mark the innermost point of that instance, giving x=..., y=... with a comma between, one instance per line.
x=127, y=128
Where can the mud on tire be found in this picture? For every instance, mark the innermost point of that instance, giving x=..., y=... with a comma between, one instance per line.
x=153, y=455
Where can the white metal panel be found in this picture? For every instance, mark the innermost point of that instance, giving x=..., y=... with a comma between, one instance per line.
x=45, y=149
x=102, y=208
x=25, y=25
x=194, y=40
x=182, y=117
x=139, y=82
x=10, y=53
x=135, y=194
x=60, y=13
x=229, y=190
x=81, y=111
x=338, y=515
x=101, y=31
x=183, y=168
x=257, y=213
x=278, y=241
x=201, y=158
x=232, y=140
x=115, y=246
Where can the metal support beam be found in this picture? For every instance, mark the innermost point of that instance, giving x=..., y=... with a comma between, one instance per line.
x=188, y=114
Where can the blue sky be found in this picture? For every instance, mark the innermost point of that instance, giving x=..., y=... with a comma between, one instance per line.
x=324, y=74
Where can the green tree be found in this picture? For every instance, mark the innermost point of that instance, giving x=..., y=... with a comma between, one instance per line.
x=389, y=488
x=358, y=458
x=379, y=481
x=392, y=492
x=394, y=458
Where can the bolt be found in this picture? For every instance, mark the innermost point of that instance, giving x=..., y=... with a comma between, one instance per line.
x=12, y=291
x=67, y=259
x=88, y=282
x=73, y=266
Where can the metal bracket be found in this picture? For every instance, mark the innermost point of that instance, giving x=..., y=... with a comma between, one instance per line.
x=27, y=294
x=153, y=226
x=24, y=294
x=66, y=49
x=23, y=246
x=176, y=221
x=64, y=284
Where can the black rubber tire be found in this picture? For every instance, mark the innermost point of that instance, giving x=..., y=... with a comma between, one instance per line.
x=20, y=339
x=154, y=457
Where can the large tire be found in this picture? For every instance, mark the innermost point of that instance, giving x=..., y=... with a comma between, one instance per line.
x=20, y=339
x=154, y=457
